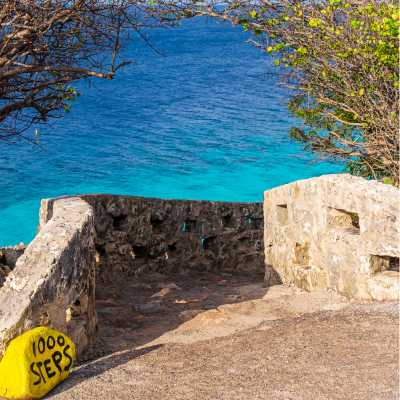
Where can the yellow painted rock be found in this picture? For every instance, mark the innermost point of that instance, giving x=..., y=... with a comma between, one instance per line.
x=34, y=363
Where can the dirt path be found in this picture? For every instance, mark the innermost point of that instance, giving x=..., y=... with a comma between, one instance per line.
x=225, y=337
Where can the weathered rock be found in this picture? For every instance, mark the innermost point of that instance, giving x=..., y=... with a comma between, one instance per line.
x=53, y=281
x=171, y=285
x=149, y=308
x=163, y=292
x=34, y=363
x=335, y=231
x=10, y=254
x=142, y=236
x=8, y=258
x=4, y=271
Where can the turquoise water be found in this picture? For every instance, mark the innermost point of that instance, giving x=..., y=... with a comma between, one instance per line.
x=207, y=120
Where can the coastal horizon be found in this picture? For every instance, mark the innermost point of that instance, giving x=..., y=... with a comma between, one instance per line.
x=205, y=120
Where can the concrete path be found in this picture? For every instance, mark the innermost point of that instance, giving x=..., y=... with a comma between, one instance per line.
x=224, y=337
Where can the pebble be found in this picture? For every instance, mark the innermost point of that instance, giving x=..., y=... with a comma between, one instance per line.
x=148, y=308
x=169, y=286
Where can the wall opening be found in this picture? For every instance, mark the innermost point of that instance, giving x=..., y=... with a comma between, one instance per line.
x=156, y=221
x=301, y=254
x=344, y=220
x=118, y=222
x=254, y=222
x=172, y=246
x=282, y=213
x=209, y=243
x=384, y=263
x=139, y=251
x=189, y=225
x=227, y=220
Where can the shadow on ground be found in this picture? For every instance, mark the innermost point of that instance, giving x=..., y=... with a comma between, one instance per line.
x=132, y=313
x=99, y=366
x=212, y=336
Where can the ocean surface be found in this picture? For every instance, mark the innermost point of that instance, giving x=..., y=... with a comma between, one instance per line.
x=204, y=120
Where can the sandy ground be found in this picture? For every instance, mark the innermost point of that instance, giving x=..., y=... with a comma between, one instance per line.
x=226, y=337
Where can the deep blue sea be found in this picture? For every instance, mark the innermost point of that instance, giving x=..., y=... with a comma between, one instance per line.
x=205, y=120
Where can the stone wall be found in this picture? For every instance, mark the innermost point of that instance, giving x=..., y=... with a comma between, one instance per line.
x=8, y=258
x=52, y=283
x=335, y=231
x=85, y=238
x=138, y=235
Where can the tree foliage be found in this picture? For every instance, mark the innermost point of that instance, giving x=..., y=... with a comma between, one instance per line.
x=341, y=58
x=45, y=45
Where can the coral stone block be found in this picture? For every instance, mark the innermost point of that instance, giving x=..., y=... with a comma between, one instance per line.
x=34, y=363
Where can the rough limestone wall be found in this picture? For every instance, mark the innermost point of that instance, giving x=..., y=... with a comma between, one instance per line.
x=335, y=231
x=139, y=235
x=8, y=258
x=52, y=283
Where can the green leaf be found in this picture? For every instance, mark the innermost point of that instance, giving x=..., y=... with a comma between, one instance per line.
x=388, y=181
x=253, y=14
